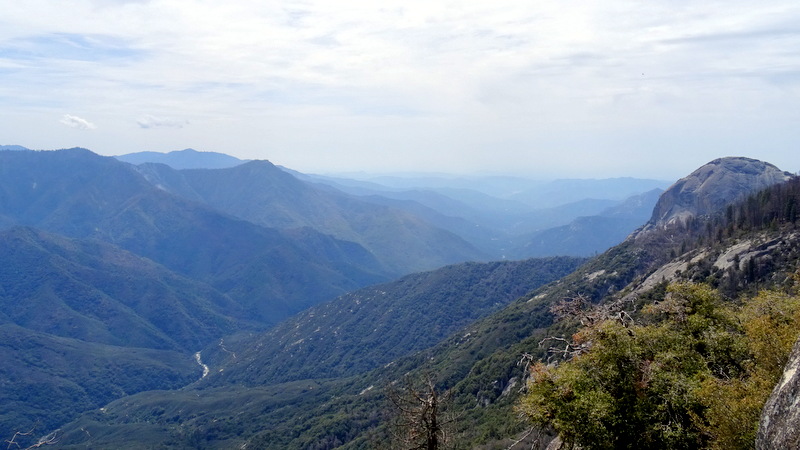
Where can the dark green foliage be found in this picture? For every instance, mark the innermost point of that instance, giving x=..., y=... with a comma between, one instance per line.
x=636, y=386
x=694, y=373
x=99, y=293
x=374, y=326
x=49, y=380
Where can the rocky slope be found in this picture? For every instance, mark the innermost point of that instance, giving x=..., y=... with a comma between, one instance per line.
x=780, y=420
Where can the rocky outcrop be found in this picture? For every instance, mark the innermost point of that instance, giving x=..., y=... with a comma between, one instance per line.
x=714, y=185
x=780, y=420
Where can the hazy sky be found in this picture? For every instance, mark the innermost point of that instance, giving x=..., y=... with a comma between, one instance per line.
x=545, y=88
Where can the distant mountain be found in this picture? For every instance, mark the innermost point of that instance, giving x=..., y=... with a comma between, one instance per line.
x=261, y=193
x=271, y=273
x=12, y=148
x=594, y=234
x=489, y=185
x=559, y=192
x=373, y=326
x=504, y=227
x=580, y=228
x=183, y=159
x=713, y=186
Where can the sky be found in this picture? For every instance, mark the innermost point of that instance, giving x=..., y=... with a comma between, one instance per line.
x=584, y=89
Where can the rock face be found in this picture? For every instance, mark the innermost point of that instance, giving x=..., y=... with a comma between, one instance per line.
x=714, y=185
x=780, y=420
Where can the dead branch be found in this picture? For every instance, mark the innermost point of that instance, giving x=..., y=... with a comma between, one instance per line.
x=419, y=421
x=49, y=439
x=525, y=436
x=564, y=348
x=587, y=314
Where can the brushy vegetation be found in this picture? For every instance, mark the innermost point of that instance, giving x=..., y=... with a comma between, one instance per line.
x=691, y=372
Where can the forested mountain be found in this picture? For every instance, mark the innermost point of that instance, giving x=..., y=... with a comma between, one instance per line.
x=12, y=148
x=84, y=322
x=271, y=273
x=737, y=249
x=48, y=380
x=155, y=278
x=373, y=326
x=105, y=271
x=95, y=292
x=411, y=223
x=261, y=193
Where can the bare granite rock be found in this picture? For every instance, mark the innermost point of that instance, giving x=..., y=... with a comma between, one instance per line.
x=714, y=185
x=780, y=420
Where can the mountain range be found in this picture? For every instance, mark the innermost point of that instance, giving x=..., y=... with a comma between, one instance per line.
x=155, y=306
x=290, y=388
x=261, y=193
x=498, y=217
x=271, y=273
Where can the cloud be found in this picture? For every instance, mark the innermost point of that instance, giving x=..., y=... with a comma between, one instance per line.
x=77, y=122
x=148, y=121
x=407, y=76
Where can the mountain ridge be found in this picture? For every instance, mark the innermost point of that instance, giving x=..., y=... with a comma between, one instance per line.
x=183, y=159
x=259, y=192
x=272, y=273
x=373, y=326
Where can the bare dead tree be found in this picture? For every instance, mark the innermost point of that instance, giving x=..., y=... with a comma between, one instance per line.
x=49, y=439
x=563, y=348
x=586, y=313
x=580, y=308
x=533, y=439
x=419, y=418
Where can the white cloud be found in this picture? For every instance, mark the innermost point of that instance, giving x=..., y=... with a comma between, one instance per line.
x=77, y=122
x=148, y=121
x=486, y=79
